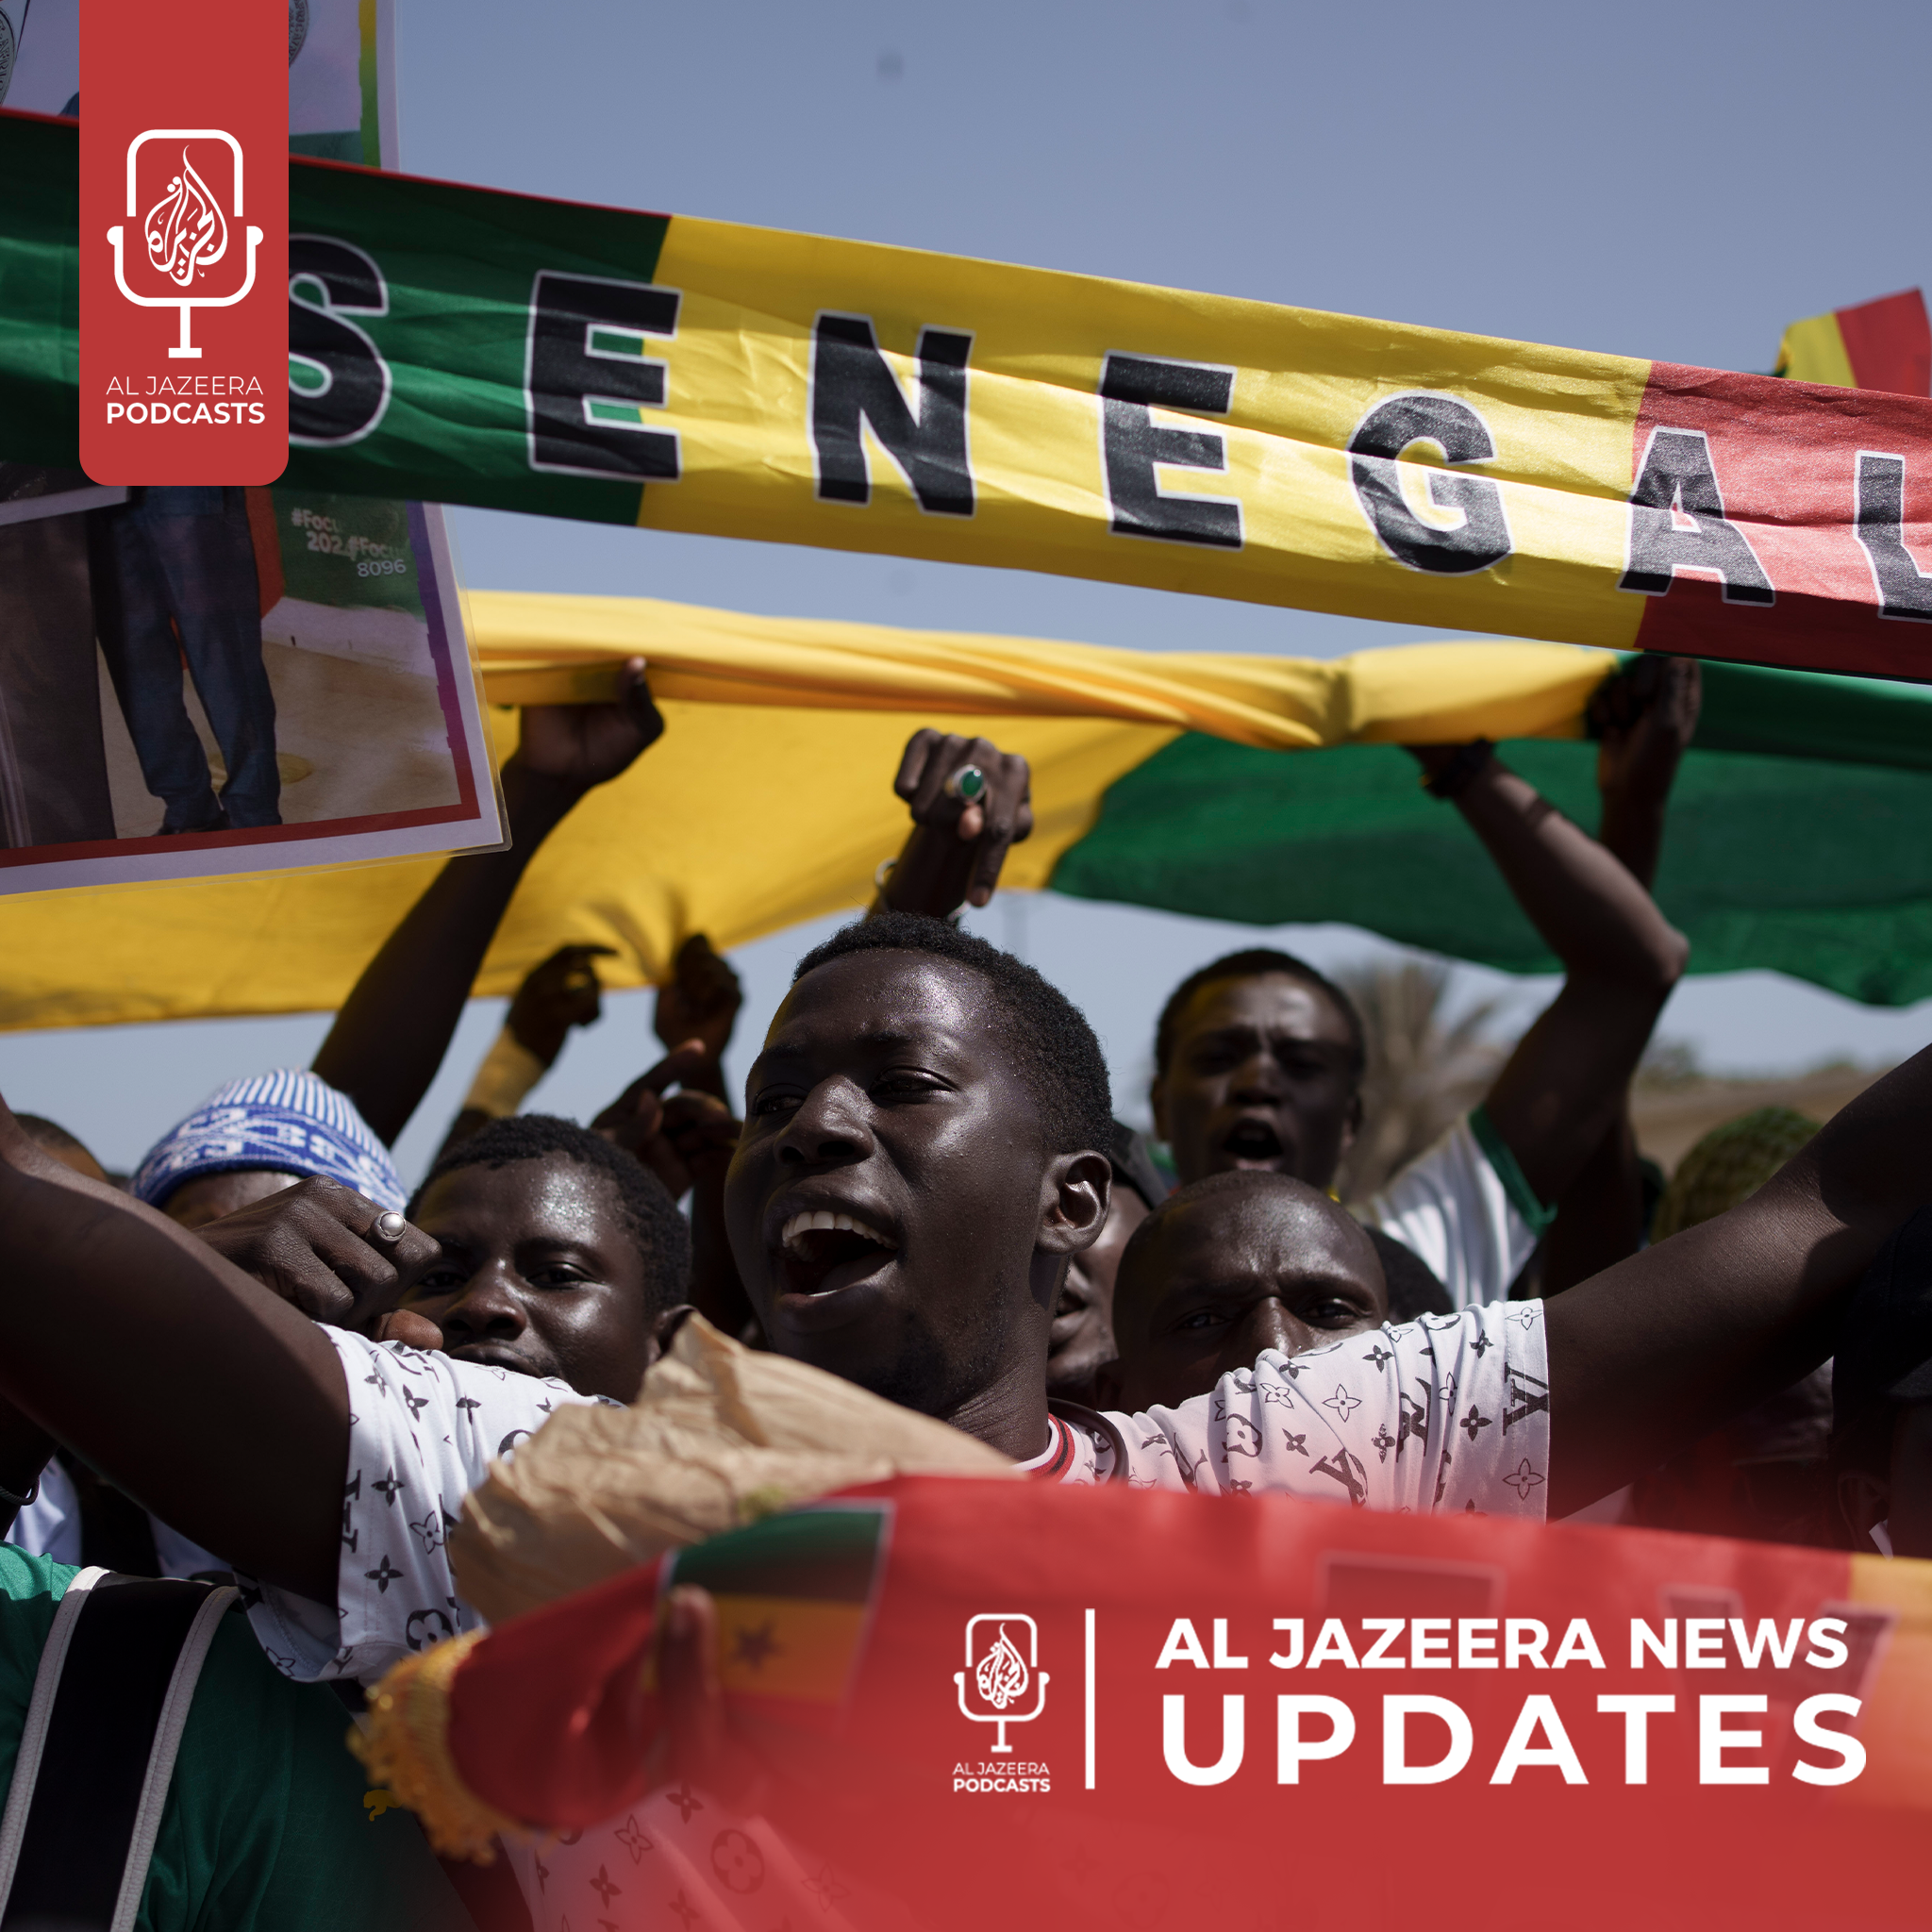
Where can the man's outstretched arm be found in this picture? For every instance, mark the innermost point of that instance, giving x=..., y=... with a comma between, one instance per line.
x=394, y=1029
x=185, y=1383
x=1564, y=1084
x=1645, y=716
x=1655, y=1351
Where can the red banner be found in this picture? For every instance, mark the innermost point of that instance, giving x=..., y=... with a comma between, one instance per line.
x=981, y=1707
x=184, y=229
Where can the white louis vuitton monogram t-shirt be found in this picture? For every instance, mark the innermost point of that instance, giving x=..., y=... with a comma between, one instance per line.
x=1450, y=1412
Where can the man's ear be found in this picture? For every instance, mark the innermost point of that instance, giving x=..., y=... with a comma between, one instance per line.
x=664, y=1331
x=1156, y=1099
x=1352, y=1122
x=1075, y=1196
x=1863, y=1500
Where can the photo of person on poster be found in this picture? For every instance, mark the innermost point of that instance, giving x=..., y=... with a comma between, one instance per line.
x=282, y=673
x=173, y=576
x=53, y=762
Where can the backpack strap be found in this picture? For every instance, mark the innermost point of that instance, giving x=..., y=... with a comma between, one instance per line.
x=33, y=1736
x=110, y=1701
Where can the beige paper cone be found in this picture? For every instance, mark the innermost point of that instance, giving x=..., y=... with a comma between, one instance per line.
x=719, y=1436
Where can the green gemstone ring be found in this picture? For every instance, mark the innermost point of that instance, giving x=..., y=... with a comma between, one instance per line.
x=968, y=785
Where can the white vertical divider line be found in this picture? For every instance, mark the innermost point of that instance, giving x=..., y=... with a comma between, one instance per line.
x=1089, y=1700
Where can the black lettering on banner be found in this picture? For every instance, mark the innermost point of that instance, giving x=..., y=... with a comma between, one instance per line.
x=1481, y=538
x=853, y=385
x=1678, y=522
x=1131, y=443
x=347, y=384
x=1904, y=588
x=587, y=377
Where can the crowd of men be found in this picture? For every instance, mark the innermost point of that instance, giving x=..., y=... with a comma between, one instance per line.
x=268, y=1365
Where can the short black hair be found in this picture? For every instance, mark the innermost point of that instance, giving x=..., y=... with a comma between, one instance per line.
x=1058, y=1057
x=662, y=1233
x=45, y=1132
x=1414, y=1287
x=1251, y=964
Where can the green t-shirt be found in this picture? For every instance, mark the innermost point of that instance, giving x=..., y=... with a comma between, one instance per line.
x=265, y=1829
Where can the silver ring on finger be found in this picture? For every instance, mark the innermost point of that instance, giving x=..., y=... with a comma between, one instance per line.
x=968, y=785
x=388, y=1226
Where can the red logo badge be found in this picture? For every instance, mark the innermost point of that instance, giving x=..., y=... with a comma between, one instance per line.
x=183, y=242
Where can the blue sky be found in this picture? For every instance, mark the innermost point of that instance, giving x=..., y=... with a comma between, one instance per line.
x=1656, y=180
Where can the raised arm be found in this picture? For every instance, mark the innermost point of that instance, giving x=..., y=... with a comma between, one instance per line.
x=687, y=1142
x=186, y=1384
x=963, y=825
x=700, y=1002
x=560, y=993
x=1655, y=1351
x=1564, y=1084
x=394, y=1029
x=1645, y=716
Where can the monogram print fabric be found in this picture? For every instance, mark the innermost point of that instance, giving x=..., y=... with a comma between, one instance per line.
x=422, y=1431
x=1448, y=1412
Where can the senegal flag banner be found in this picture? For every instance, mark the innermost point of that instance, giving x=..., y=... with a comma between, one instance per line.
x=1297, y=1714
x=465, y=346
x=1265, y=789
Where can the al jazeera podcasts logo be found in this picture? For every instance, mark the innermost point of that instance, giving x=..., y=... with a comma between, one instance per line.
x=184, y=223
x=1002, y=1685
x=187, y=231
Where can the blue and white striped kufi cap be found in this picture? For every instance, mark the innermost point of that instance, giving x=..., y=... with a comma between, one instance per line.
x=288, y=1121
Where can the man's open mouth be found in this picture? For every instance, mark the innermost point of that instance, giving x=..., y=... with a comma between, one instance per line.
x=824, y=1251
x=1252, y=1142
x=1068, y=1316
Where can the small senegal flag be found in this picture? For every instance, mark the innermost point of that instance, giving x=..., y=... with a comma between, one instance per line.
x=793, y=1594
x=1885, y=344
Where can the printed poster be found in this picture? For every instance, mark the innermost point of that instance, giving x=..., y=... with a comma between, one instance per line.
x=202, y=681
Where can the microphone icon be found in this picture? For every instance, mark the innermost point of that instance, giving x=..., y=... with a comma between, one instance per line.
x=185, y=232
